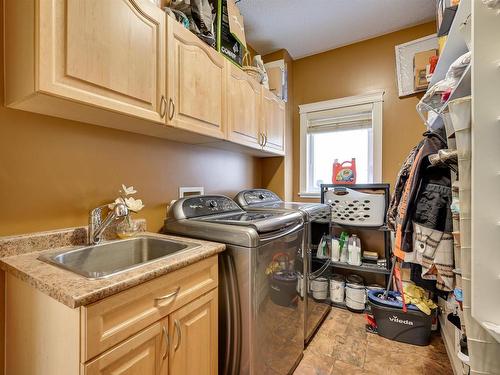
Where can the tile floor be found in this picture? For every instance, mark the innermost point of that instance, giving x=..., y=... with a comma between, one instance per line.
x=343, y=347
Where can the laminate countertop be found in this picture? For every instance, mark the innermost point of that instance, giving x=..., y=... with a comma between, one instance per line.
x=74, y=290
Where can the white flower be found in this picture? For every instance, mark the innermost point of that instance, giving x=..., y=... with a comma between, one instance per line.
x=128, y=190
x=134, y=205
x=117, y=200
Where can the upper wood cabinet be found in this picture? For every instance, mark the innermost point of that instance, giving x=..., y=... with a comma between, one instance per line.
x=109, y=54
x=243, y=108
x=273, y=122
x=125, y=64
x=196, y=83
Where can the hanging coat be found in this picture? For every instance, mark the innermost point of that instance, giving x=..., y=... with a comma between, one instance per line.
x=431, y=144
x=403, y=174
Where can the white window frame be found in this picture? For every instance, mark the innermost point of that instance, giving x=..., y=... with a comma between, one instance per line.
x=375, y=98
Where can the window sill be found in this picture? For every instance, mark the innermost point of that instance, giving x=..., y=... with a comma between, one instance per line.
x=315, y=195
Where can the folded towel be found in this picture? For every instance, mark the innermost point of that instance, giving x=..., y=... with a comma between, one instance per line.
x=433, y=250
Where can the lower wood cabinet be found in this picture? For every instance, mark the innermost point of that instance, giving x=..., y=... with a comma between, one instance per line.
x=193, y=329
x=168, y=325
x=144, y=353
x=185, y=342
x=107, y=322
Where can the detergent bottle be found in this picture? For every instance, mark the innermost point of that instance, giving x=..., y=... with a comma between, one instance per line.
x=344, y=173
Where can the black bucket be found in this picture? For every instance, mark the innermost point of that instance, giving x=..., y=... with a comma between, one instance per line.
x=412, y=327
x=284, y=288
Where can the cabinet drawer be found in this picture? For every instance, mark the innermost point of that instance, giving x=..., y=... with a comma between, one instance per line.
x=112, y=320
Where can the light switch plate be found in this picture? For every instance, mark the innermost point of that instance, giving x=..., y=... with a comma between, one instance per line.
x=185, y=191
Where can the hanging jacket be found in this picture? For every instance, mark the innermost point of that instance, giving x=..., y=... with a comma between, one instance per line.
x=403, y=174
x=420, y=168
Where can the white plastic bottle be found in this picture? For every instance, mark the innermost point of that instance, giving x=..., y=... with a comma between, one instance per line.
x=354, y=251
x=343, y=253
x=335, y=250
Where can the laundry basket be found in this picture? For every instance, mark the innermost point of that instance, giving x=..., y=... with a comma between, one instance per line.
x=352, y=207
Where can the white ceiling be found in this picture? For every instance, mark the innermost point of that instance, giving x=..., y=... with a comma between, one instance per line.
x=307, y=27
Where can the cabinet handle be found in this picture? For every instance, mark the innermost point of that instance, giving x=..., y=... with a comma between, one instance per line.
x=265, y=140
x=260, y=140
x=167, y=296
x=179, y=334
x=167, y=342
x=171, y=109
x=163, y=106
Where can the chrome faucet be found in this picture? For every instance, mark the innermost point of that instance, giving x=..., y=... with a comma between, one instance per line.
x=97, y=225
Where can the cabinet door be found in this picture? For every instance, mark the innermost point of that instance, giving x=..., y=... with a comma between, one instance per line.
x=109, y=54
x=196, y=83
x=145, y=353
x=243, y=106
x=273, y=122
x=193, y=328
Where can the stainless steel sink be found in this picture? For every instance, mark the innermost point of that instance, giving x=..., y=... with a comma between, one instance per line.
x=110, y=258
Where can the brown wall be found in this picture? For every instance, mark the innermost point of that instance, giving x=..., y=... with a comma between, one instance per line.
x=53, y=171
x=354, y=70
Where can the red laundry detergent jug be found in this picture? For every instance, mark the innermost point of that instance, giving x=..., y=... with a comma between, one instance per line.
x=344, y=173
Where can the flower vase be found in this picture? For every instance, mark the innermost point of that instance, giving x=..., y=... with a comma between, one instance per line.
x=127, y=228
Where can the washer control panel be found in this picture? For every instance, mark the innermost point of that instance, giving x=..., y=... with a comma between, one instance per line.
x=208, y=205
x=260, y=196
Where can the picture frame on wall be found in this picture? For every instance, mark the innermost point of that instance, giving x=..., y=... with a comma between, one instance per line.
x=405, y=68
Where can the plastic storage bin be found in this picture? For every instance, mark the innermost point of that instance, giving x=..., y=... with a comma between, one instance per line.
x=355, y=294
x=353, y=207
x=460, y=114
x=337, y=288
x=319, y=288
x=412, y=327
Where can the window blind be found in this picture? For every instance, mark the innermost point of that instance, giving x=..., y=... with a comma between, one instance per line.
x=339, y=119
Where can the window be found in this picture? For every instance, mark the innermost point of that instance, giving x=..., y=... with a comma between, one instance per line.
x=340, y=130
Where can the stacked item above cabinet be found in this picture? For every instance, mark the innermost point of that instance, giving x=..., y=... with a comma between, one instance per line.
x=165, y=82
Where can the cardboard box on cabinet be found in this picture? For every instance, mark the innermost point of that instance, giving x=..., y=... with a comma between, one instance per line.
x=230, y=32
